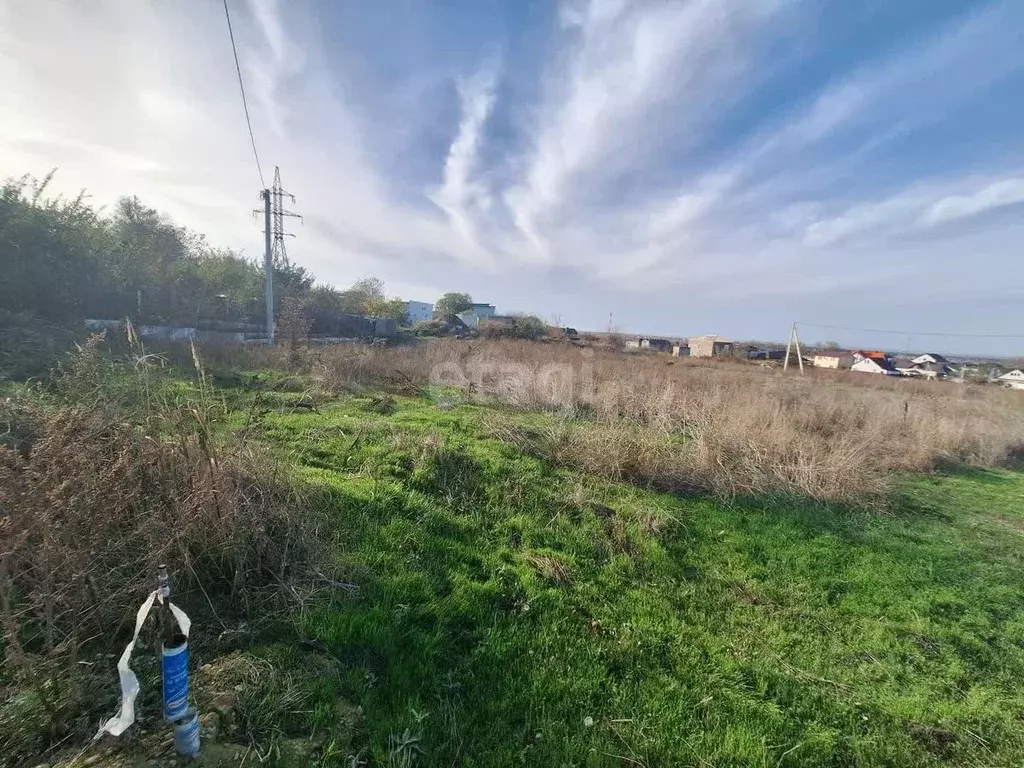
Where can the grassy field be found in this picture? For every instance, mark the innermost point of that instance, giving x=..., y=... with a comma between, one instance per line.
x=511, y=613
x=496, y=606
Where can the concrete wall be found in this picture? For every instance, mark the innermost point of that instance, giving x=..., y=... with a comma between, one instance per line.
x=384, y=327
x=166, y=332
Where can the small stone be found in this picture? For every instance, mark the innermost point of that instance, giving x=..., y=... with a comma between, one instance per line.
x=223, y=702
x=208, y=726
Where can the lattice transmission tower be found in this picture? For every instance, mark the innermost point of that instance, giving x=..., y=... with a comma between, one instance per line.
x=278, y=214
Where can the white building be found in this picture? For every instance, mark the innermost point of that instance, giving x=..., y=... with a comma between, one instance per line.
x=418, y=311
x=1014, y=379
x=472, y=317
x=874, y=365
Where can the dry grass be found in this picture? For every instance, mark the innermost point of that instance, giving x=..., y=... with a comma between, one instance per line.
x=724, y=427
x=92, y=506
x=92, y=501
x=551, y=568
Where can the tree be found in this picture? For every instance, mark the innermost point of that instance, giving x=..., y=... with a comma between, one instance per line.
x=452, y=304
x=393, y=308
x=324, y=304
x=364, y=295
x=65, y=261
x=294, y=322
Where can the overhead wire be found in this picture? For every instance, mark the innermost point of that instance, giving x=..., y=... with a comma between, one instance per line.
x=245, y=103
x=917, y=333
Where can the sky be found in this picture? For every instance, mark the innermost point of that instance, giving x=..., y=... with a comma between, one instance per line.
x=674, y=168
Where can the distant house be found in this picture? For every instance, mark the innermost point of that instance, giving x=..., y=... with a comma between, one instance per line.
x=680, y=350
x=872, y=354
x=660, y=345
x=833, y=358
x=930, y=358
x=419, y=311
x=484, y=310
x=647, y=342
x=472, y=317
x=873, y=364
x=709, y=346
x=1013, y=379
x=756, y=353
x=927, y=366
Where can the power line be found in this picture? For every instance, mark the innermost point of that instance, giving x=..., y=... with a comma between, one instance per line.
x=245, y=103
x=918, y=333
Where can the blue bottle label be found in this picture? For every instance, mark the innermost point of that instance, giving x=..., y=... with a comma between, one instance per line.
x=186, y=734
x=175, y=680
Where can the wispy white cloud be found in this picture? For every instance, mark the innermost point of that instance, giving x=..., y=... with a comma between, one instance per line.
x=999, y=194
x=637, y=166
x=460, y=196
x=626, y=61
x=914, y=211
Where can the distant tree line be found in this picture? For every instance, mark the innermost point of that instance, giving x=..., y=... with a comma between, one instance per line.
x=65, y=260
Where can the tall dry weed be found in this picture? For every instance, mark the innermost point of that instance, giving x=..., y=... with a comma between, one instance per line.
x=723, y=427
x=101, y=480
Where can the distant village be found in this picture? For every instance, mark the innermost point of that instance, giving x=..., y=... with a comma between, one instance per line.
x=929, y=365
x=422, y=320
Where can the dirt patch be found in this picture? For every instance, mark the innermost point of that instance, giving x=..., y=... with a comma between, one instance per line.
x=1013, y=523
x=938, y=741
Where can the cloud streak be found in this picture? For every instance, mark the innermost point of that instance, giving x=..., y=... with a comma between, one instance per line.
x=637, y=152
x=460, y=196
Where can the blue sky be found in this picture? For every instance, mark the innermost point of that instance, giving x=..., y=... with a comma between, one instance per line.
x=691, y=166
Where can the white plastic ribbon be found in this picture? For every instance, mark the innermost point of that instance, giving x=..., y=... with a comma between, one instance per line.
x=120, y=722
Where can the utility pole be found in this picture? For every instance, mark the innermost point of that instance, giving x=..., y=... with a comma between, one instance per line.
x=268, y=266
x=274, y=252
x=794, y=340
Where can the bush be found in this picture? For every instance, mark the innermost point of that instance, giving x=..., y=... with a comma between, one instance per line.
x=526, y=327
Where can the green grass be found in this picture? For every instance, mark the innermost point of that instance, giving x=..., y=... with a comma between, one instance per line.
x=512, y=613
